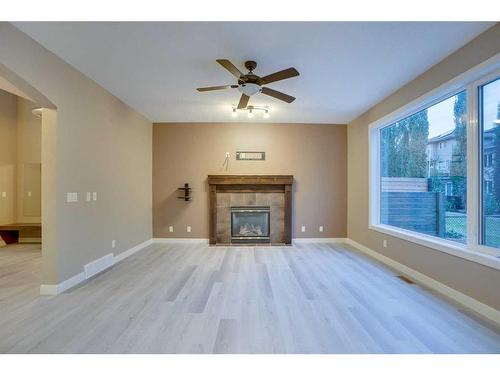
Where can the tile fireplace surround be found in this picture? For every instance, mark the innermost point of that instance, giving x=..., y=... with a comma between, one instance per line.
x=226, y=191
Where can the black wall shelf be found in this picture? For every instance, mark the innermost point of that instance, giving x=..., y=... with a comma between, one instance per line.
x=187, y=193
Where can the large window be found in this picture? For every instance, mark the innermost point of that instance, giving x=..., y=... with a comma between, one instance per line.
x=489, y=116
x=423, y=168
x=435, y=168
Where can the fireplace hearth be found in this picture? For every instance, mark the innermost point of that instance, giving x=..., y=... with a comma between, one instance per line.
x=250, y=224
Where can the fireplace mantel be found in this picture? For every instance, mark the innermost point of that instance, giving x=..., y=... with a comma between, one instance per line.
x=250, y=179
x=250, y=183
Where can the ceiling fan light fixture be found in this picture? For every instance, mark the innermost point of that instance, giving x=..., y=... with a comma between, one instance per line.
x=249, y=89
x=250, y=111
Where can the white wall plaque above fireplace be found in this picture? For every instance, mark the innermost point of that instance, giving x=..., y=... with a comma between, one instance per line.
x=250, y=155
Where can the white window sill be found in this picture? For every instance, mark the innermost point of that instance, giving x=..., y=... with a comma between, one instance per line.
x=439, y=244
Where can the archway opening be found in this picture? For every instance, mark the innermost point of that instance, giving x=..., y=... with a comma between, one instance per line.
x=27, y=183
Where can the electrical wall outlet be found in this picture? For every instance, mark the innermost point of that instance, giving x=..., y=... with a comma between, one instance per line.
x=188, y=228
x=4, y=194
x=385, y=243
x=303, y=228
x=321, y=228
x=94, y=196
x=171, y=229
x=113, y=244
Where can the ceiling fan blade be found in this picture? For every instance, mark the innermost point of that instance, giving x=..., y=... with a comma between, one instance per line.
x=212, y=88
x=277, y=94
x=229, y=66
x=278, y=76
x=243, y=101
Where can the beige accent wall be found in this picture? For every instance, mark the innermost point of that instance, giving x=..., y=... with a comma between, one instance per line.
x=50, y=196
x=188, y=152
x=473, y=279
x=8, y=155
x=29, y=155
x=20, y=155
x=94, y=142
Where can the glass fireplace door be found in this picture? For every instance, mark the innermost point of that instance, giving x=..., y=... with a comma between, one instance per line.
x=250, y=224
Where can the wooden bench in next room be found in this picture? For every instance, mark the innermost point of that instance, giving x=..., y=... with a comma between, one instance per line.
x=20, y=232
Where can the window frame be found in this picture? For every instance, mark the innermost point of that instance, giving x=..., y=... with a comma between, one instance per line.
x=448, y=189
x=477, y=85
x=470, y=81
x=488, y=186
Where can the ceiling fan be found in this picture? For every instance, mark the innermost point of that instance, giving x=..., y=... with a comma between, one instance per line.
x=250, y=84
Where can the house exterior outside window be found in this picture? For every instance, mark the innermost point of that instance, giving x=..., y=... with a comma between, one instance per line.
x=440, y=154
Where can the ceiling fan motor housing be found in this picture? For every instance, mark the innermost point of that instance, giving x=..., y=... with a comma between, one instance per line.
x=250, y=65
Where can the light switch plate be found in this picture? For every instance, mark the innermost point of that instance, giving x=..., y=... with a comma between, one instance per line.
x=188, y=228
x=71, y=197
x=113, y=244
x=4, y=194
x=94, y=196
x=29, y=193
x=170, y=229
x=321, y=228
x=89, y=198
x=303, y=228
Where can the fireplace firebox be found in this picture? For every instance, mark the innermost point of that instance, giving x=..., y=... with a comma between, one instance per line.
x=250, y=224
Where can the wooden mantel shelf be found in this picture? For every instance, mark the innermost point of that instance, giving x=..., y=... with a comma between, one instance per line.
x=250, y=183
x=250, y=180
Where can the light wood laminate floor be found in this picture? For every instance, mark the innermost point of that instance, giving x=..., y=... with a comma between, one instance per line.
x=191, y=298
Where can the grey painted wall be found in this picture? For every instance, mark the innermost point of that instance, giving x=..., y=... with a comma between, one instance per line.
x=473, y=279
x=97, y=143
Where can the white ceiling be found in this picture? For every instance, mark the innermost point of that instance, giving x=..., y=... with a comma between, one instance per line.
x=345, y=67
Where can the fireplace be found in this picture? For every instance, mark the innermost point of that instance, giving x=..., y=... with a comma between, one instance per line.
x=250, y=224
x=271, y=193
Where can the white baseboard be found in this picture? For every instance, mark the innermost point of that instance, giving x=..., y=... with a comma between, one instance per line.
x=132, y=251
x=205, y=240
x=55, y=289
x=320, y=240
x=30, y=240
x=91, y=269
x=174, y=240
x=478, y=307
x=98, y=265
